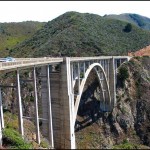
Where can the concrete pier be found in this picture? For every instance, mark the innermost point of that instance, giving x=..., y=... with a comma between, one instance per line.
x=112, y=82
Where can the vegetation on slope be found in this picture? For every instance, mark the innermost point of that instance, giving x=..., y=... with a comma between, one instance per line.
x=12, y=138
x=76, y=34
x=12, y=34
x=138, y=20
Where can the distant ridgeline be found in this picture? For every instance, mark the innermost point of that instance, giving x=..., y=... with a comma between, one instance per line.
x=84, y=34
x=13, y=33
x=138, y=20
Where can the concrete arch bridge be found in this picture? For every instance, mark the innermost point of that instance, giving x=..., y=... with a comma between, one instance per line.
x=59, y=98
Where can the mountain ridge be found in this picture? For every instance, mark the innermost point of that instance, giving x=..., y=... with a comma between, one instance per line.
x=136, y=19
x=82, y=34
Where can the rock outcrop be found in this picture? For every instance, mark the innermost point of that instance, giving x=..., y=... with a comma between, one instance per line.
x=129, y=121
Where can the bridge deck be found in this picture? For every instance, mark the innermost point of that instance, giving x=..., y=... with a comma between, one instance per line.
x=29, y=62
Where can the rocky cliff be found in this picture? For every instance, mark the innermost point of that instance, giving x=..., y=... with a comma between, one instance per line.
x=133, y=99
x=128, y=125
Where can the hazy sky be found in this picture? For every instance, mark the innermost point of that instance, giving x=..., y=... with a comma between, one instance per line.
x=17, y=11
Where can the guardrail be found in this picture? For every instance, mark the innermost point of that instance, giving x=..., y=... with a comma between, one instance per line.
x=74, y=59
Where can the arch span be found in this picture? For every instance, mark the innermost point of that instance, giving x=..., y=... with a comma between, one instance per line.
x=106, y=96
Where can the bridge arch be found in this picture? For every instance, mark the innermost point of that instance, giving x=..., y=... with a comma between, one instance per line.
x=106, y=96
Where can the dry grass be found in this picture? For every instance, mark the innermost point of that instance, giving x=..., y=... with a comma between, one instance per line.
x=142, y=52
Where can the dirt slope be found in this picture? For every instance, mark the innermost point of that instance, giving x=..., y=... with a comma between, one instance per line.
x=142, y=52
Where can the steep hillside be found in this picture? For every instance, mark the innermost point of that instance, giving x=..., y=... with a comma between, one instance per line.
x=138, y=20
x=77, y=34
x=133, y=98
x=14, y=33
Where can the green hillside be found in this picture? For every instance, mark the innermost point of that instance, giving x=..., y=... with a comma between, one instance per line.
x=77, y=34
x=138, y=20
x=14, y=33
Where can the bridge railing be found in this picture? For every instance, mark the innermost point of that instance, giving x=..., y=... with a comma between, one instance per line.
x=76, y=59
x=27, y=62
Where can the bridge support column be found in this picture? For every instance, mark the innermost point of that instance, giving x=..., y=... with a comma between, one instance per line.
x=20, y=113
x=112, y=82
x=67, y=104
x=36, y=107
x=1, y=110
x=47, y=128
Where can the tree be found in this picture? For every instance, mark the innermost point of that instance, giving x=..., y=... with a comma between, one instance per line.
x=128, y=28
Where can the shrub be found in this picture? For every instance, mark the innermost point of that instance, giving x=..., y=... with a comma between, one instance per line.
x=123, y=110
x=13, y=138
x=138, y=57
x=44, y=144
x=123, y=73
x=125, y=145
x=11, y=120
x=81, y=75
